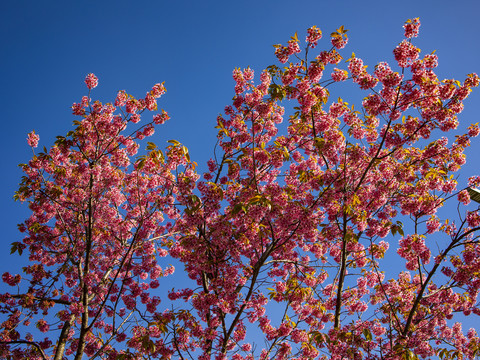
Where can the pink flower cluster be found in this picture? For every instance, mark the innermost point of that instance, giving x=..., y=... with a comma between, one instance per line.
x=129, y=208
x=405, y=53
x=339, y=75
x=464, y=197
x=91, y=81
x=412, y=27
x=314, y=34
x=284, y=52
x=33, y=139
x=11, y=280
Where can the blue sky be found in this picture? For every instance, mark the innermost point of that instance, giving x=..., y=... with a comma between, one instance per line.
x=47, y=48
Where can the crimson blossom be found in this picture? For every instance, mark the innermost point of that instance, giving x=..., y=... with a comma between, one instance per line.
x=289, y=237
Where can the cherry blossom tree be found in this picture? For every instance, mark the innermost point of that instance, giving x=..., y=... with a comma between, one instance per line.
x=287, y=240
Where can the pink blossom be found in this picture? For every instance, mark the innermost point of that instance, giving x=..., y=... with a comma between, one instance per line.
x=161, y=118
x=339, y=42
x=293, y=47
x=412, y=28
x=473, y=219
x=356, y=66
x=131, y=106
x=473, y=130
x=474, y=181
x=430, y=61
x=248, y=74
x=76, y=308
x=464, y=197
x=33, y=139
x=432, y=225
x=11, y=280
x=135, y=118
x=92, y=81
x=158, y=90
x=315, y=71
x=339, y=75
x=121, y=98
x=149, y=130
x=246, y=347
x=43, y=326
x=405, y=53
x=314, y=34
x=150, y=102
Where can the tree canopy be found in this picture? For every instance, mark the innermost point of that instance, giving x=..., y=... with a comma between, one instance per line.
x=286, y=240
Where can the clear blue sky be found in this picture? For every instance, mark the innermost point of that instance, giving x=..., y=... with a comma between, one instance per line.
x=47, y=48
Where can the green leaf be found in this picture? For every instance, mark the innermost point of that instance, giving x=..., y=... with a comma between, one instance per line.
x=141, y=163
x=368, y=334
x=237, y=208
x=185, y=152
x=174, y=142
x=319, y=143
x=277, y=92
x=15, y=247
x=400, y=228
x=442, y=353
x=151, y=146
